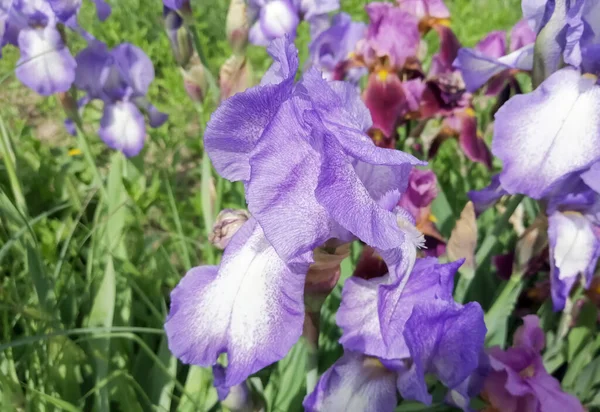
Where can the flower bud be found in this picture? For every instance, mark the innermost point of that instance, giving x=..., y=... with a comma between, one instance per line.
x=179, y=37
x=324, y=273
x=237, y=25
x=195, y=80
x=228, y=222
x=235, y=76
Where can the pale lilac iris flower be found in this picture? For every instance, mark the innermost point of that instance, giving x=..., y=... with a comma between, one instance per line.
x=120, y=78
x=396, y=330
x=45, y=65
x=311, y=174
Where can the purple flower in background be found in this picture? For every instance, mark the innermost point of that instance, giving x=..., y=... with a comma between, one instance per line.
x=45, y=65
x=316, y=13
x=488, y=61
x=120, y=78
x=272, y=19
x=396, y=330
x=392, y=37
x=330, y=50
x=519, y=381
x=445, y=95
x=176, y=4
x=485, y=198
x=429, y=12
x=334, y=162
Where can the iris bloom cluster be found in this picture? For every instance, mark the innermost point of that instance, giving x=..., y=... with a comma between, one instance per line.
x=120, y=78
x=549, y=139
x=315, y=182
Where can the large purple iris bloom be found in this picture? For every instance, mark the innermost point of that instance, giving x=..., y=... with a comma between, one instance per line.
x=311, y=175
x=120, y=78
x=45, y=65
x=396, y=330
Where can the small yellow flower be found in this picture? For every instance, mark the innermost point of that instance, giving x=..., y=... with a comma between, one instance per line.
x=74, y=152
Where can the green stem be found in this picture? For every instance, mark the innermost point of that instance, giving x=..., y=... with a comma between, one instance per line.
x=87, y=153
x=487, y=246
x=310, y=331
x=10, y=163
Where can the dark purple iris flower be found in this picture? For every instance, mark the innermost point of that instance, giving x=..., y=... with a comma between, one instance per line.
x=396, y=330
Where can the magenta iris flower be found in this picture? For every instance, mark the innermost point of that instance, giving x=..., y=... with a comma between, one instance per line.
x=396, y=330
x=518, y=380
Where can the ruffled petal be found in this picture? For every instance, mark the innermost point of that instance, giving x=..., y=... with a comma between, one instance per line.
x=251, y=308
x=428, y=280
x=46, y=65
x=534, y=133
x=445, y=339
x=354, y=383
x=237, y=125
x=122, y=128
x=574, y=250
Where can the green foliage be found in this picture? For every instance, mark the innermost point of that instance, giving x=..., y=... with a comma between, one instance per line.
x=91, y=244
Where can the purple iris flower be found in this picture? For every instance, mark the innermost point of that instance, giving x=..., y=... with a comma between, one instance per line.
x=120, y=78
x=301, y=151
x=392, y=37
x=519, y=381
x=334, y=162
x=45, y=64
x=175, y=4
x=331, y=50
x=271, y=19
x=489, y=61
x=396, y=330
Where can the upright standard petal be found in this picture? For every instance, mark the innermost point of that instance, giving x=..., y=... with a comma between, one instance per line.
x=278, y=18
x=425, y=8
x=65, y=9
x=521, y=35
x=548, y=133
x=93, y=67
x=46, y=65
x=251, y=308
x=574, y=250
x=103, y=9
x=135, y=67
x=122, y=128
x=354, y=383
x=237, y=125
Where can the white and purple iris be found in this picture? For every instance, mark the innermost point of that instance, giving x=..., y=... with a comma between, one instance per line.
x=272, y=19
x=120, y=78
x=45, y=65
x=549, y=139
x=312, y=175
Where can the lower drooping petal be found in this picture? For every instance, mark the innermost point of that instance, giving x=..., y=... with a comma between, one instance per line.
x=357, y=316
x=534, y=133
x=444, y=339
x=251, y=307
x=574, y=250
x=477, y=68
x=354, y=383
x=471, y=141
x=122, y=128
x=46, y=65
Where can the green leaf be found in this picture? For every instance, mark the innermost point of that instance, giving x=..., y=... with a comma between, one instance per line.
x=497, y=317
x=162, y=383
x=286, y=387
